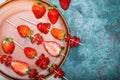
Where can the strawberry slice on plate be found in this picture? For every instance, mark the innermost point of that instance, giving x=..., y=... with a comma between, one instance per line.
x=8, y=45
x=58, y=33
x=65, y=4
x=30, y=52
x=53, y=48
x=20, y=67
x=53, y=14
x=33, y=73
x=39, y=10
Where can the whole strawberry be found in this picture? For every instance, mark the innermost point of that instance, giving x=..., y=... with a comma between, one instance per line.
x=38, y=10
x=8, y=45
x=30, y=52
x=24, y=31
x=65, y=4
x=53, y=14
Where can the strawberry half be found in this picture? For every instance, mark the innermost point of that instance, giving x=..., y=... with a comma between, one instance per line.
x=8, y=45
x=53, y=14
x=30, y=52
x=53, y=48
x=38, y=10
x=40, y=77
x=20, y=67
x=58, y=33
x=24, y=31
x=65, y=4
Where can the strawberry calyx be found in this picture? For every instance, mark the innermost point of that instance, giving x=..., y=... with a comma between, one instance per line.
x=60, y=53
x=52, y=7
x=40, y=3
x=8, y=40
x=52, y=68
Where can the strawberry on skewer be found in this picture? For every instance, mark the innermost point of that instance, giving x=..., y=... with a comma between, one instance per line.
x=58, y=34
x=8, y=45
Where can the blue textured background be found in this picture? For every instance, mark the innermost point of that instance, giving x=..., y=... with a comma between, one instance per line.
x=97, y=23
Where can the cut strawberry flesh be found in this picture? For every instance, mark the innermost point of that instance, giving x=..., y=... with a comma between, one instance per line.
x=53, y=68
x=40, y=77
x=72, y=41
x=20, y=67
x=43, y=27
x=40, y=40
x=59, y=74
x=77, y=42
x=67, y=38
x=52, y=48
x=33, y=73
x=8, y=60
x=2, y=58
x=36, y=36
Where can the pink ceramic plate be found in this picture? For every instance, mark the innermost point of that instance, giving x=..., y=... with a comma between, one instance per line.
x=13, y=9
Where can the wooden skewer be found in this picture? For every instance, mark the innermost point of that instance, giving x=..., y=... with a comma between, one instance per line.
x=15, y=26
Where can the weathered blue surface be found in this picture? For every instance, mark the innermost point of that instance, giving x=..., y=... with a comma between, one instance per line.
x=97, y=23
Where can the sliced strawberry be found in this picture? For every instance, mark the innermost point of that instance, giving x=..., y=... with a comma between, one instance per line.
x=45, y=62
x=40, y=77
x=30, y=52
x=65, y=4
x=24, y=31
x=39, y=61
x=20, y=67
x=53, y=14
x=35, y=38
x=72, y=41
x=58, y=33
x=52, y=68
x=33, y=73
x=53, y=48
x=8, y=60
x=3, y=58
x=40, y=40
x=77, y=42
x=67, y=38
x=8, y=45
x=59, y=73
x=39, y=10
x=43, y=27
x=42, y=56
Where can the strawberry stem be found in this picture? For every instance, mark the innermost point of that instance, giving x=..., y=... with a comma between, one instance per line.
x=52, y=7
x=40, y=3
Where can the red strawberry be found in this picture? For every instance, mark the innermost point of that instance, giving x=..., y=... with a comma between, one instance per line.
x=53, y=68
x=77, y=42
x=8, y=45
x=24, y=31
x=8, y=60
x=59, y=73
x=40, y=40
x=30, y=52
x=38, y=10
x=40, y=77
x=20, y=67
x=58, y=33
x=53, y=48
x=67, y=38
x=45, y=62
x=53, y=14
x=33, y=73
x=72, y=41
x=65, y=4
x=43, y=27
x=2, y=58
x=35, y=38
